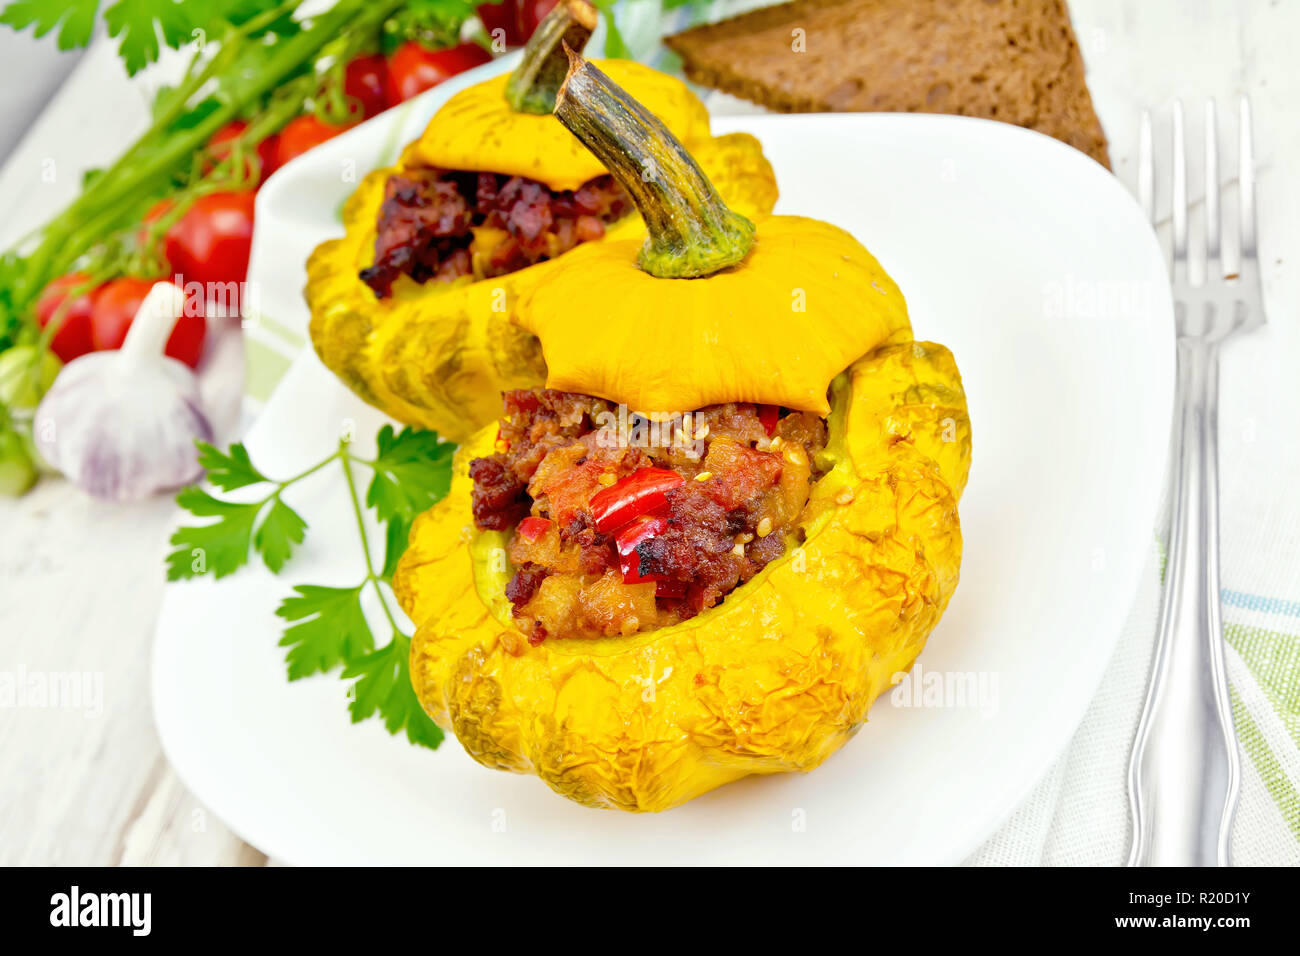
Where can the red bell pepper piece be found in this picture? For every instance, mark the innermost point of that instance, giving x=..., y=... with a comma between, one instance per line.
x=532, y=529
x=768, y=416
x=639, y=529
x=641, y=492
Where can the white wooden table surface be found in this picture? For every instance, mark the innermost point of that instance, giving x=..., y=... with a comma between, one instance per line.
x=80, y=582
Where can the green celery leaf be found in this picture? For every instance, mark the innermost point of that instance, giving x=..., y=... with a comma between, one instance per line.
x=74, y=18
x=330, y=632
x=221, y=547
x=229, y=470
x=279, y=531
x=383, y=686
x=412, y=473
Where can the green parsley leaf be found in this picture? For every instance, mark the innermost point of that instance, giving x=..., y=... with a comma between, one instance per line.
x=75, y=19
x=397, y=534
x=279, y=531
x=331, y=629
x=384, y=687
x=223, y=547
x=412, y=473
x=326, y=626
x=220, y=547
x=137, y=23
x=229, y=470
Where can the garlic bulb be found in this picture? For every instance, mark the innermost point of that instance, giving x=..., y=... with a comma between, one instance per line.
x=122, y=424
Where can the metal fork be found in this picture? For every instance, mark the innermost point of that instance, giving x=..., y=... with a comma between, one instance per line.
x=1185, y=769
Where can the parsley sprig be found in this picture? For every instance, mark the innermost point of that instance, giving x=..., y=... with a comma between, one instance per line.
x=326, y=627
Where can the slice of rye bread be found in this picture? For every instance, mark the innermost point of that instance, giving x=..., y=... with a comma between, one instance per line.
x=1010, y=60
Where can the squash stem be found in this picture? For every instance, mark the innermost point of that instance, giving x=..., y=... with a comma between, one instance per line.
x=692, y=231
x=534, y=83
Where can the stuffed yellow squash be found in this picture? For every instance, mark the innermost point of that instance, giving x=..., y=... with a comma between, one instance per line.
x=638, y=604
x=412, y=307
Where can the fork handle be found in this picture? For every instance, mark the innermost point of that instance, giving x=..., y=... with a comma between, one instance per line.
x=1185, y=771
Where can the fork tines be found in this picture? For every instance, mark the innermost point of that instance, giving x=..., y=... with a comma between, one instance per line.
x=1246, y=278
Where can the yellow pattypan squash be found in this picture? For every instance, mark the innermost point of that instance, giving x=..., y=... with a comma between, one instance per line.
x=711, y=340
x=782, y=672
x=439, y=354
x=475, y=129
x=774, y=679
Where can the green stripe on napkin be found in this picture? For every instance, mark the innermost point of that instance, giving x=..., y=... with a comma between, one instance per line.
x=1274, y=658
x=1275, y=779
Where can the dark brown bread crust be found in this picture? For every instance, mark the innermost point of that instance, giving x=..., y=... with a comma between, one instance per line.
x=1010, y=60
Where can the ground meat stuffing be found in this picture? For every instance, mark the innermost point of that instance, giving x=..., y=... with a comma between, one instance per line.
x=441, y=224
x=735, y=479
x=525, y=583
x=500, y=500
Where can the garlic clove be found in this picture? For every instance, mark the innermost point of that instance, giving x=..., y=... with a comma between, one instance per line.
x=122, y=425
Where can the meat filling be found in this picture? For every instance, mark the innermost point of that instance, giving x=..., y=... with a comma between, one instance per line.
x=620, y=524
x=443, y=224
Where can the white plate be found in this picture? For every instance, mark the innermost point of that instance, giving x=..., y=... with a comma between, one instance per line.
x=1026, y=258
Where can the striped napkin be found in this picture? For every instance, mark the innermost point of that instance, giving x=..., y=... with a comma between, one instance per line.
x=1079, y=815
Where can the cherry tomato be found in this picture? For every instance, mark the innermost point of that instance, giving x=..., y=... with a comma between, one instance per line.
x=210, y=242
x=412, y=69
x=366, y=81
x=500, y=16
x=531, y=15
x=73, y=338
x=303, y=133
x=516, y=18
x=115, y=306
x=265, y=149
